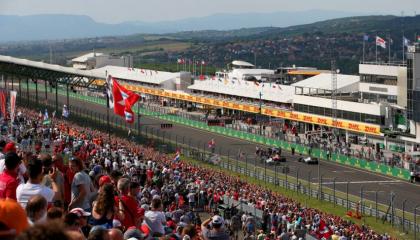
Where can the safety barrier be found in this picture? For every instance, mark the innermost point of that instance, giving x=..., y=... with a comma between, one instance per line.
x=298, y=148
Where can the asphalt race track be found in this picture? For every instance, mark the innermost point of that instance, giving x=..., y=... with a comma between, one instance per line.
x=370, y=182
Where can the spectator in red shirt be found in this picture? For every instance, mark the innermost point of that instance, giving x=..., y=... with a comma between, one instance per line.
x=9, y=177
x=128, y=207
x=149, y=174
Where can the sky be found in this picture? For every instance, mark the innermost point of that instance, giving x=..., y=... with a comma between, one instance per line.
x=115, y=11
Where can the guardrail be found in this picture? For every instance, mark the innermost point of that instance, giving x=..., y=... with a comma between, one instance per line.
x=298, y=148
x=169, y=143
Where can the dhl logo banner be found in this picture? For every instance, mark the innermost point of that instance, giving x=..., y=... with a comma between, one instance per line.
x=296, y=116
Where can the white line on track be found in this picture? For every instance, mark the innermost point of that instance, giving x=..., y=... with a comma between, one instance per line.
x=364, y=182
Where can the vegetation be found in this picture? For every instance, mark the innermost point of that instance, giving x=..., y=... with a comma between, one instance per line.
x=313, y=45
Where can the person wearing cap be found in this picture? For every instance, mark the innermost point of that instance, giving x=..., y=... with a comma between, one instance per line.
x=10, y=209
x=9, y=177
x=22, y=168
x=104, y=180
x=213, y=228
x=34, y=187
x=10, y=147
x=83, y=220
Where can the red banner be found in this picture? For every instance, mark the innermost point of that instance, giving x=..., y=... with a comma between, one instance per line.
x=3, y=103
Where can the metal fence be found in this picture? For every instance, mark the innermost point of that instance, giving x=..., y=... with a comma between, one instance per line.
x=169, y=143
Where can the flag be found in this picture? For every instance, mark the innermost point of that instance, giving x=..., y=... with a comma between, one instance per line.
x=418, y=38
x=380, y=42
x=109, y=87
x=406, y=42
x=129, y=115
x=365, y=37
x=177, y=157
x=12, y=104
x=3, y=104
x=122, y=100
x=46, y=117
x=211, y=143
x=66, y=112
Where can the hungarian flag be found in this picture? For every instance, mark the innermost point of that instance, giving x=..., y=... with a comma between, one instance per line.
x=121, y=99
x=380, y=42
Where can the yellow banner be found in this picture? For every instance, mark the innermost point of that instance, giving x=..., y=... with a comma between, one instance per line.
x=296, y=116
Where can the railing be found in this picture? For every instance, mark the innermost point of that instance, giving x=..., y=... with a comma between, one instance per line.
x=313, y=149
x=281, y=177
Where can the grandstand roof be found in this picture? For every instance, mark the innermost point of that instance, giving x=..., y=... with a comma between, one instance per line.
x=323, y=81
x=270, y=92
x=136, y=74
x=51, y=67
x=85, y=57
x=242, y=63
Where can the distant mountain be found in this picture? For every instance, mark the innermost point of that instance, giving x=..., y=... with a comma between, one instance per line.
x=57, y=26
x=226, y=21
x=46, y=27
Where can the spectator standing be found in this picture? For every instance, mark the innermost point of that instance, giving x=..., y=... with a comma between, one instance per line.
x=81, y=187
x=9, y=177
x=215, y=230
x=155, y=218
x=34, y=187
x=103, y=209
x=128, y=207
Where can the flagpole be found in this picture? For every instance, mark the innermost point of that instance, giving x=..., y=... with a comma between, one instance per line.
x=376, y=49
x=403, y=48
x=363, y=58
x=389, y=48
x=107, y=107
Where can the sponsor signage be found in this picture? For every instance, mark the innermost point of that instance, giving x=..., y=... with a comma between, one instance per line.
x=296, y=116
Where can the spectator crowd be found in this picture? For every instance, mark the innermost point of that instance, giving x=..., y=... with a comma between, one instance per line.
x=63, y=181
